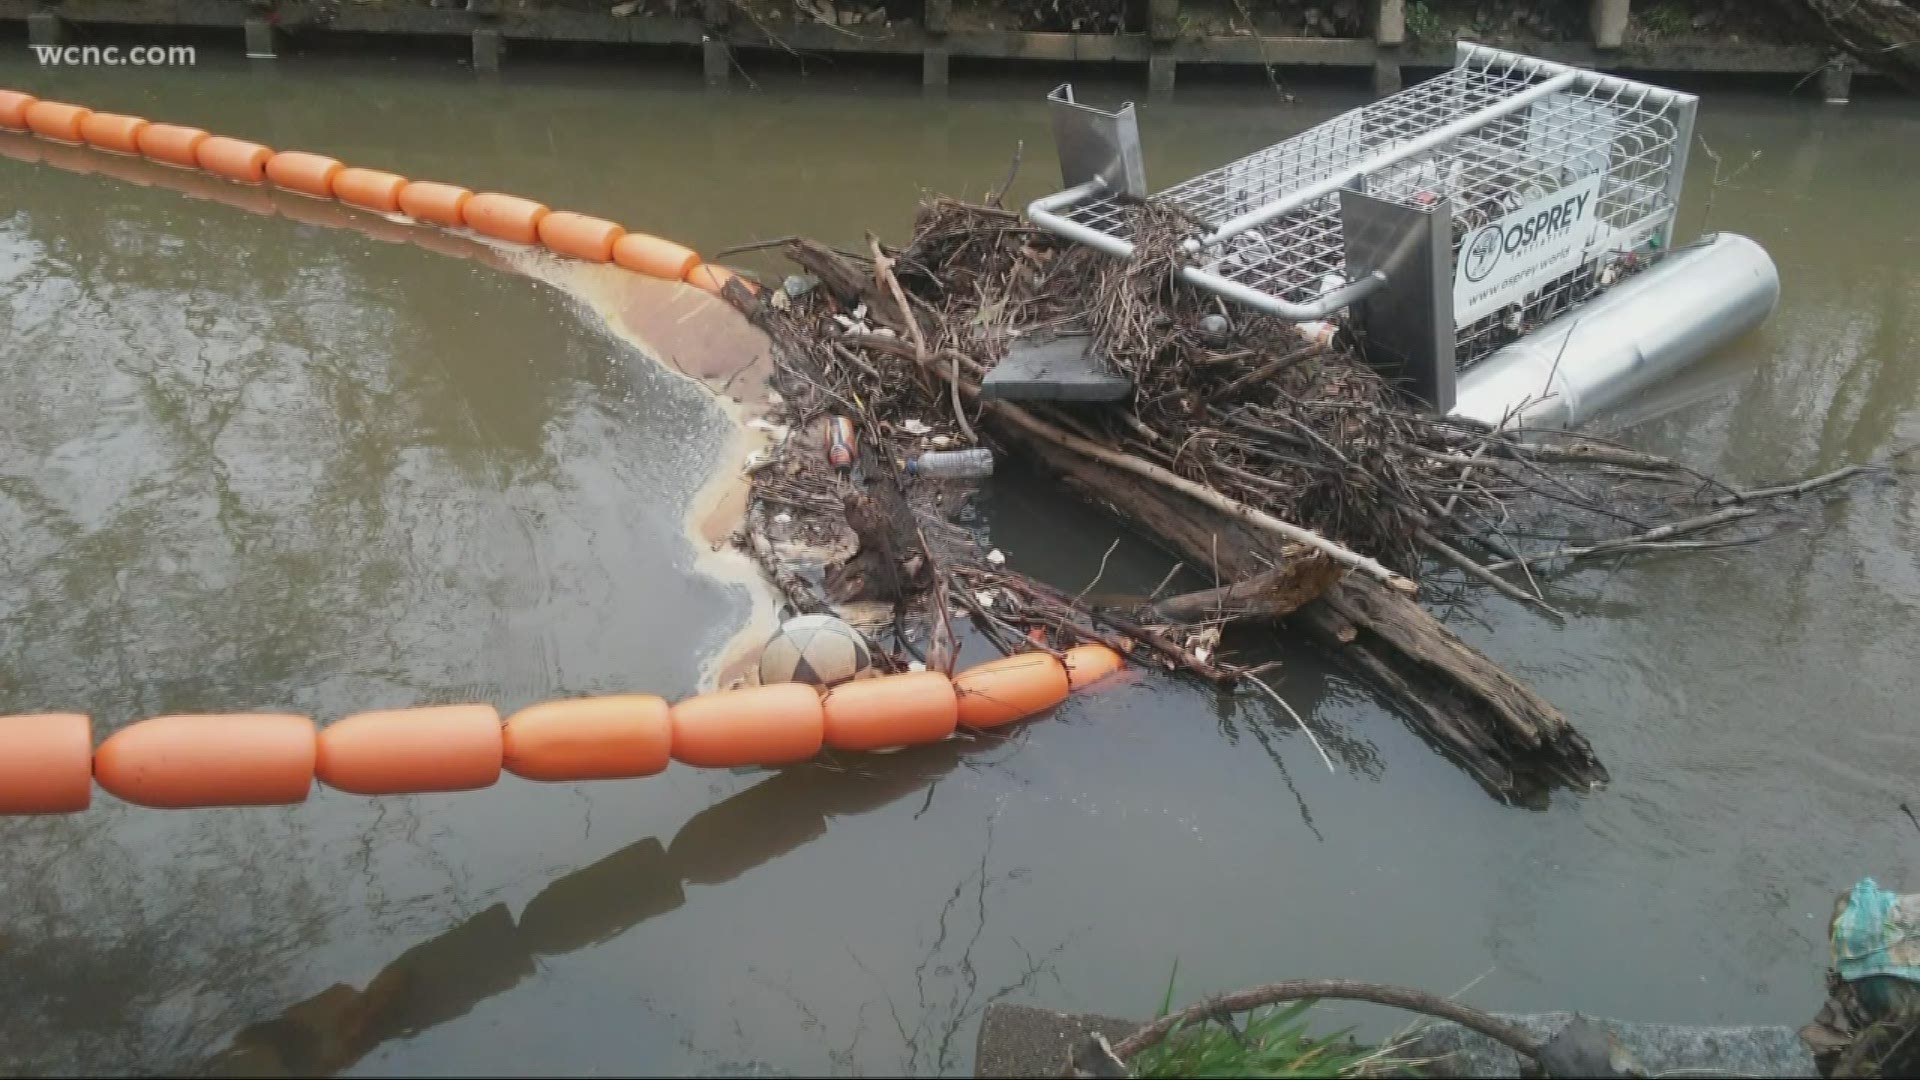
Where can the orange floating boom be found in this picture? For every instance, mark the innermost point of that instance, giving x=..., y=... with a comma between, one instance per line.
x=890, y=711
x=760, y=725
x=504, y=217
x=370, y=189
x=598, y=738
x=56, y=120
x=46, y=763
x=1010, y=688
x=13, y=109
x=1088, y=664
x=234, y=159
x=113, y=132
x=655, y=257
x=439, y=204
x=580, y=236
x=403, y=751
x=171, y=144
x=232, y=759
x=304, y=173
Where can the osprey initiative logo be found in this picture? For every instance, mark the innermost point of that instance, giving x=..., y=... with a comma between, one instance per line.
x=1483, y=254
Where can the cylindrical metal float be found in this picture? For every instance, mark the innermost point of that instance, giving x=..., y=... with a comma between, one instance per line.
x=1642, y=330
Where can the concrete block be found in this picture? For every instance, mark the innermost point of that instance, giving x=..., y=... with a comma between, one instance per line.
x=1610, y=23
x=1160, y=71
x=1163, y=19
x=487, y=49
x=1836, y=80
x=1063, y=369
x=46, y=28
x=933, y=66
x=1390, y=22
x=717, y=59
x=263, y=39
x=1386, y=76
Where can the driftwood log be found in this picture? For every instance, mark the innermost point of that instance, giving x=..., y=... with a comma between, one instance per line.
x=1510, y=738
x=1883, y=34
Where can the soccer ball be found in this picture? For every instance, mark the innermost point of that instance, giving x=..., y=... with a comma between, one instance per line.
x=818, y=650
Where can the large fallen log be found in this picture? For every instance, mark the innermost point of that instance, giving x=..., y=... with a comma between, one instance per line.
x=1883, y=34
x=1510, y=738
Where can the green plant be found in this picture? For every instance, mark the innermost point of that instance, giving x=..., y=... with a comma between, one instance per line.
x=1666, y=20
x=1423, y=24
x=1273, y=1043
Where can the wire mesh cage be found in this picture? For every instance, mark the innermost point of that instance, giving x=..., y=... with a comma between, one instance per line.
x=1495, y=134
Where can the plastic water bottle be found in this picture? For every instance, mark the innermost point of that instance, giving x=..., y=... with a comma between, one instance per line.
x=953, y=464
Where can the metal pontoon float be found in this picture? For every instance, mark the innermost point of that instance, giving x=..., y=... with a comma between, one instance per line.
x=1501, y=235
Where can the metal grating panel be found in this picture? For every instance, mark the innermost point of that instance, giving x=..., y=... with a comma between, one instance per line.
x=1495, y=155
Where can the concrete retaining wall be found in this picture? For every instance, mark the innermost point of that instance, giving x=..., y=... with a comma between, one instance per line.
x=717, y=31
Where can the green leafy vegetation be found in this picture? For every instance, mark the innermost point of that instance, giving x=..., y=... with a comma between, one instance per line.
x=1271, y=1042
x=1665, y=20
x=1423, y=24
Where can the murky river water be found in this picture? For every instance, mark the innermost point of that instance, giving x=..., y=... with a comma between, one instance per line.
x=246, y=462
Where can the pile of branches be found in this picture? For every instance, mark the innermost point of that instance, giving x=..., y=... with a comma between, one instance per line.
x=1288, y=467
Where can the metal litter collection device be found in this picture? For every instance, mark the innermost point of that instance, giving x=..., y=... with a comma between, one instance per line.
x=1500, y=236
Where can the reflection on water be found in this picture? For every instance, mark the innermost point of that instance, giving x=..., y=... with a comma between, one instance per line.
x=250, y=461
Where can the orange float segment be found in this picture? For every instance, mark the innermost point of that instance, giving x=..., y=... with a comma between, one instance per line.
x=439, y=204
x=233, y=759
x=304, y=173
x=369, y=189
x=171, y=144
x=1088, y=664
x=759, y=725
x=56, y=120
x=113, y=131
x=46, y=762
x=235, y=159
x=597, y=738
x=890, y=711
x=1010, y=688
x=713, y=279
x=13, y=109
x=401, y=751
x=580, y=236
x=655, y=257
x=504, y=217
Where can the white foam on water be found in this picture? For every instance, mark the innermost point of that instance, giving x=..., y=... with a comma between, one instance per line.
x=701, y=338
